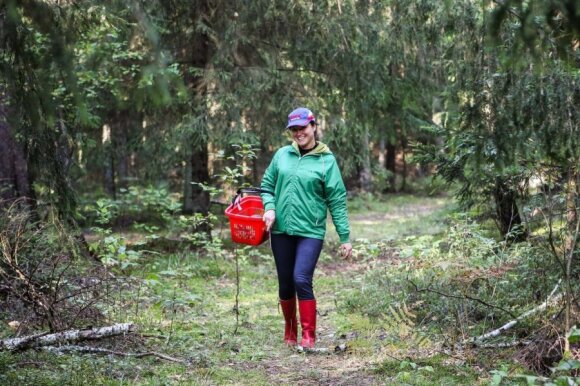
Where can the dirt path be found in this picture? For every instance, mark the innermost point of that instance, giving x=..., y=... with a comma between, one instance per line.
x=345, y=368
x=401, y=212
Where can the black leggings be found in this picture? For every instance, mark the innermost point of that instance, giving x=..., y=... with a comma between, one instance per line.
x=296, y=259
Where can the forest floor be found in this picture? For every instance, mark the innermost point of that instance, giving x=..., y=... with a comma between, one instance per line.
x=184, y=305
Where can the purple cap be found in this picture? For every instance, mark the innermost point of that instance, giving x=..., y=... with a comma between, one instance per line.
x=300, y=117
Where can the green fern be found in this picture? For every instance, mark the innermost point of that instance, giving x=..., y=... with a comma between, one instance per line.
x=400, y=321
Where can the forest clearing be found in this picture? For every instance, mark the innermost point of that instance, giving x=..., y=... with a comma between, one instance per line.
x=382, y=320
x=333, y=192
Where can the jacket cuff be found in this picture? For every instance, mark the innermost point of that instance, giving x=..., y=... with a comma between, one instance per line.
x=344, y=238
x=269, y=206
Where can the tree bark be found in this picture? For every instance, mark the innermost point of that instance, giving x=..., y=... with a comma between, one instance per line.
x=195, y=200
x=404, y=174
x=14, y=177
x=390, y=164
x=382, y=150
x=365, y=174
x=109, y=162
x=40, y=340
x=119, y=137
x=570, y=242
x=506, y=209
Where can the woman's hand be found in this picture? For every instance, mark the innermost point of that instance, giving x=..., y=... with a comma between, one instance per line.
x=346, y=250
x=269, y=218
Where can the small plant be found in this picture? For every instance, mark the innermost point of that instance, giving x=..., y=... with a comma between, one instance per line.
x=113, y=252
x=401, y=320
x=367, y=250
x=136, y=205
x=111, y=249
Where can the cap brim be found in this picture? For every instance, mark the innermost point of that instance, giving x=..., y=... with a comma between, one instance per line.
x=299, y=122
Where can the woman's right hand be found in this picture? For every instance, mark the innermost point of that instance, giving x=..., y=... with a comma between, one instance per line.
x=269, y=218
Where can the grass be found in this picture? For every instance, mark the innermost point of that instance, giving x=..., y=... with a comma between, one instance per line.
x=395, y=217
x=188, y=301
x=435, y=370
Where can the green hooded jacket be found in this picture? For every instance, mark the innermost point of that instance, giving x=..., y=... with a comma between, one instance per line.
x=305, y=188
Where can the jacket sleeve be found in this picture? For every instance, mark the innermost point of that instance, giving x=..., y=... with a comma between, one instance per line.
x=269, y=183
x=336, y=201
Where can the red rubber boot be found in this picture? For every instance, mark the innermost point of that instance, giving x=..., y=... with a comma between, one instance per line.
x=308, y=322
x=291, y=329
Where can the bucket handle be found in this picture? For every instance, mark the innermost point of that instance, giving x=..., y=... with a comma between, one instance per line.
x=241, y=191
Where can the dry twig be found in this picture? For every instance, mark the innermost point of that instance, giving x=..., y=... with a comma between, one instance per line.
x=97, y=350
x=477, y=341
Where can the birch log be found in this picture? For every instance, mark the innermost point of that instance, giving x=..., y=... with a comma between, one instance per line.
x=492, y=334
x=322, y=350
x=69, y=336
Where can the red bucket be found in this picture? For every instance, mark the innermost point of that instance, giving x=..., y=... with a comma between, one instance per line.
x=246, y=224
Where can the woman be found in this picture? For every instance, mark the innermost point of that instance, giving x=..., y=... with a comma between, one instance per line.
x=307, y=183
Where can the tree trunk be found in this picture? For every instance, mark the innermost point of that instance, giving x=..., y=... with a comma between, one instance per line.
x=572, y=219
x=390, y=164
x=507, y=212
x=109, y=162
x=119, y=137
x=14, y=177
x=404, y=174
x=195, y=200
x=570, y=243
x=382, y=147
x=365, y=174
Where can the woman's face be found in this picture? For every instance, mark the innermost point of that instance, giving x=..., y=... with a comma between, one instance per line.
x=304, y=135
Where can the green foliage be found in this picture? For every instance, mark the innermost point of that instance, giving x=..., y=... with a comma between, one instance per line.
x=157, y=202
x=183, y=304
x=426, y=371
x=382, y=179
x=462, y=275
x=504, y=120
x=142, y=88
x=540, y=26
x=574, y=335
x=242, y=157
x=141, y=205
x=113, y=252
x=401, y=322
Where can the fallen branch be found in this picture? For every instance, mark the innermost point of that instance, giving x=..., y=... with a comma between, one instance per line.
x=30, y=363
x=44, y=339
x=156, y=336
x=504, y=344
x=97, y=350
x=463, y=297
x=322, y=350
x=492, y=334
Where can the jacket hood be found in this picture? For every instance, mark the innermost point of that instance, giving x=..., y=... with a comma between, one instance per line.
x=322, y=148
